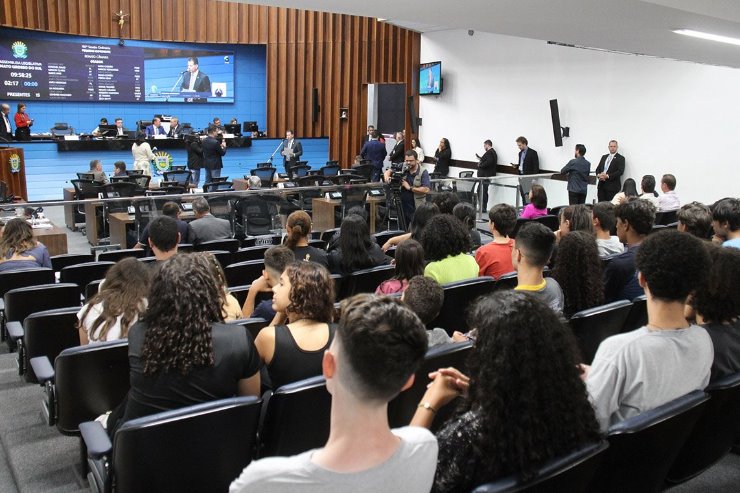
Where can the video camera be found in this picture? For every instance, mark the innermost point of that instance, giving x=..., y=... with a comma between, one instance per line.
x=398, y=172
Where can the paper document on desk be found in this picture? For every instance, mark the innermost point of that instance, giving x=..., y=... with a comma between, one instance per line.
x=42, y=226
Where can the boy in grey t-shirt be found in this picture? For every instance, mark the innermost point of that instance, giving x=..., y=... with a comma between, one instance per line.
x=533, y=247
x=378, y=346
x=641, y=370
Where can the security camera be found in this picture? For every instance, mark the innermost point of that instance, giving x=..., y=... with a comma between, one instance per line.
x=470, y=32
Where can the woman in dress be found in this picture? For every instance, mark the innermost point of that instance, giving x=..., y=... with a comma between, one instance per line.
x=143, y=155
x=443, y=155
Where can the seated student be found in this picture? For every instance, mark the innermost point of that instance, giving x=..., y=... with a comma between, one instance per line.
x=163, y=237
x=604, y=221
x=537, y=203
x=635, y=219
x=494, y=259
x=230, y=308
x=669, y=201
x=578, y=272
x=206, y=227
x=574, y=218
x=19, y=249
x=298, y=227
x=357, y=249
x=378, y=347
x=648, y=190
x=304, y=300
x=643, y=369
x=726, y=221
x=467, y=216
x=423, y=214
x=446, y=201
x=170, y=209
x=629, y=189
x=446, y=245
x=523, y=357
x=533, y=246
x=277, y=259
x=181, y=353
x=409, y=262
x=695, y=218
x=715, y=305
x=119, y=304
x=425, y=297
x=119, y=168
x=357, y=210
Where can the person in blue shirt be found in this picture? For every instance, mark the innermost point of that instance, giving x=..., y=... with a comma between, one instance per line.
x=577, y=170
x=375, y=151
x=155, y=128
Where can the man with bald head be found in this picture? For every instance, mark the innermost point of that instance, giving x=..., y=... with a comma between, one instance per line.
x=6, y=131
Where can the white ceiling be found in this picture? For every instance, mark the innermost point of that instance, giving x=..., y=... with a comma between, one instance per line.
x=631, y=26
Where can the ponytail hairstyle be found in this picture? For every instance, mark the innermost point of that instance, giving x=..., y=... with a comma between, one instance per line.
x=298, y=227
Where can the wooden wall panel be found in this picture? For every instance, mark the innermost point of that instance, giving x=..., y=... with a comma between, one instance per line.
x=337, y=54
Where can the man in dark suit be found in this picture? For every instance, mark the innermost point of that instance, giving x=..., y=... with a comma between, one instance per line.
x=213, y=150
x=486, y=168
x=6, y=131
x=397, y=154
x=155, y=128
x=175, y=128
x=609, y=172
x=529, y=162
x=291, y=150
x=375, y=151
x=195, y=80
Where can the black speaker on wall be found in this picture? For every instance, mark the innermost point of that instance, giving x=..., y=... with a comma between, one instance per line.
x=558, y=132
x=315, y=105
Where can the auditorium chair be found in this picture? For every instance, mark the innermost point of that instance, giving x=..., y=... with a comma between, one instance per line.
x=643, y=447
x=296, y=418
x=61, y=129
x=254, y=215
x=593, y=325
x=298, y=171
x=346, y=179
x=266, y=176
x=328, y=234
x=86, y=176
x=250, y=253
x=21, y=279
x=141, y=180
x=58, y=262
x=363, y=170
x=230, y=245
x=330, y=169
x=466, y=190
x=82, y=383
x=262, y=240
x=181, y=177
x=196, y=448
x=310, y=190
x=365, y=280
x=664, y=218
x=116, y=255
x=21, y=302
x=92, y=289
x=713, y=434
x=223, y=257
x=218, y=186
x=46, y=333
x=240, y=293
x=507, y=281
x=251, y=325
x=637, y=316
x=353, y=197
x=572, y=473
x=552, y=222
x=242, y=273
x=520, y=221
x=555, y=211
x=458, y=296
x=84, y=274
x=402, y=408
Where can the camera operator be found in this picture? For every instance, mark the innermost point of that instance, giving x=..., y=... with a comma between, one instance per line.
x=413, y=183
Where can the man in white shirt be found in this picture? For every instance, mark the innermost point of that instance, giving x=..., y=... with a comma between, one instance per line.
x=648, y=367
x=669, y=201
x=604, y=221
x=377, y=347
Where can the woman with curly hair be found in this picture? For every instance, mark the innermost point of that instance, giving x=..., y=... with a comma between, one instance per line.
x=298, y=228
x=578, y=271
x=357, y=250
x=181, y=353
x=524, y=404
x=19, y=249
x=230, y=307
x=304, y=297
x=119, y=304
x=446, y=245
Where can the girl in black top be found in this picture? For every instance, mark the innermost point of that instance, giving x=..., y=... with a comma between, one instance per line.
x=304, y=298
x=298, y=227
x=443, y=155
x=357, y=250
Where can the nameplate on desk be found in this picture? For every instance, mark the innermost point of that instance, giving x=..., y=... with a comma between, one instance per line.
x=228, y=136
x=160, y=136
x=186, y=206
x=333, y=195
x=375, y=193
x=71, y=137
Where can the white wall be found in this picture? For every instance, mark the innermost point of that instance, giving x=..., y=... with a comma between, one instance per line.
x=668, y=116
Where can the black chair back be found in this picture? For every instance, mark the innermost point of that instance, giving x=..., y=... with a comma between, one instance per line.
x=384, y=236
x=47, y=333
x=458, y=295
x=507, y=281
x=229, y=245
x=92, y=289
x=364, y=170
x=266, y=176
x=21, y=302
x=637, y=316
x=642, y=448
x=402, y=408
x=182, y=177
x=251, y=325
x=352, y=197
x=254, y=215
x=665, y=218
x=520, y=221
x=23, y=278
x=365, y=280
x=714, y=433
x=84, y=274
x=250, y=253
x=242, y=273
x=594, y=325
x=116, y=255
x=296, y=418
x=298, y=171
x=572, y=473
x=218, y=186
x=58, y=262
x=329, y=170
x=86, y=176
x=550, y=221
x=201, y=448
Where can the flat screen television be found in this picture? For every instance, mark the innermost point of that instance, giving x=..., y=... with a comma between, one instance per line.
x=430, y=78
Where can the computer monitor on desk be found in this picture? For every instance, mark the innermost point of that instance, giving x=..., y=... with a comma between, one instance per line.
x=108, y=130
x=249, y=127
x=233, y=128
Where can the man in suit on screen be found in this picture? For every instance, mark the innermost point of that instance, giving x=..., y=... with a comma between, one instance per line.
x=195, y=80
x=609, y=173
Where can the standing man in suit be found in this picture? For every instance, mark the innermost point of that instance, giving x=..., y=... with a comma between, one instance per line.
x=375, y=151
x=213, y=150
x=529, y=162
x=155, y=128
x=195, y=80
x=396, y=155
x=486, y=167
x=609, y=172
x=292, y=150
x=577, y=170
x=6, y=131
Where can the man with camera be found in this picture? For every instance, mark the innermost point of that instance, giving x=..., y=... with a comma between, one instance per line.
x=411, y=181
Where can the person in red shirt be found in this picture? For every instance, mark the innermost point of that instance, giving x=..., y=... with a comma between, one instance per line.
x=22, y=123
x=494, y=259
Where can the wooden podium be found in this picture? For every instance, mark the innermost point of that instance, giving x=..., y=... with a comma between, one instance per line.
x=16, y=181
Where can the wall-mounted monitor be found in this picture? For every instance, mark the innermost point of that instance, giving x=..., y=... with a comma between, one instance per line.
x=430, y=78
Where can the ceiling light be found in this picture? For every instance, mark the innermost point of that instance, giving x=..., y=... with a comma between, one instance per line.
x=708, y=36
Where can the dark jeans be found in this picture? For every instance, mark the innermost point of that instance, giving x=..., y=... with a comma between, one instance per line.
x=576, y=198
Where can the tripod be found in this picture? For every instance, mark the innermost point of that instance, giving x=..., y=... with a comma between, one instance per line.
x=393, y=204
